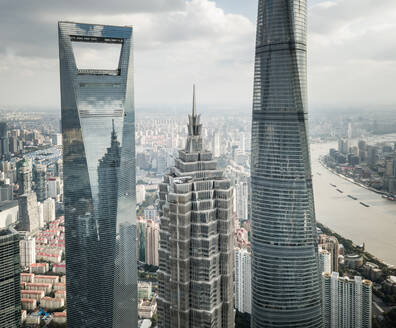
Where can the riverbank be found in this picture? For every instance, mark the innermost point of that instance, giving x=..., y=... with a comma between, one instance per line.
x=350, y=179
x=351, y=248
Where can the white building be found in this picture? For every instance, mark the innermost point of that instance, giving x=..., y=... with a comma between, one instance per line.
x=216, y=149
x=8, y=213
x=50, y=303
x=347, y=303
x=243, y=290
x=55, y=188
x=150, y=213
x=152, y=242
x=242, y=194
x=140, y=193
x=57, y=139
x=49, y=210
x=324, y=260
x=27, y=251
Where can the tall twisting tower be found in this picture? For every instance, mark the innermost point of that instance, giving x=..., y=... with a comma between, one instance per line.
x=285, y=279
x=196, y=240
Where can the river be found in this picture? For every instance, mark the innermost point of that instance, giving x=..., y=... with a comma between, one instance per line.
x=374, y=225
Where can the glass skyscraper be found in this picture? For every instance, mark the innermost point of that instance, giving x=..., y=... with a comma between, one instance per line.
x=285, y=279
x=99, y=181
x=10, y=270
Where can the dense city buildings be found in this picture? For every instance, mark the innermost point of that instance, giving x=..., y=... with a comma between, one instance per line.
x=346, y=302
x=10, y=298
x=196, y=240
x=243, y=282
x=285, y=273
x=372, y=166
x=99, y=180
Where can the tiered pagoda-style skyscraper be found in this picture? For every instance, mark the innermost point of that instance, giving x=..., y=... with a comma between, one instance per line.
x=285, y=279
x=196, y=240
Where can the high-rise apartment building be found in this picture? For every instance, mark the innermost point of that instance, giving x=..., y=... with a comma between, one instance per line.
x=242, y=199
x=10, y=269
x=4, y=145
x=24, y=177
x=331, y=244
x=49, y=210
x=216, y=144
x=40, y=180
x=27, y=247
x=196, y=240
x=29, y=215
x=152, y=242
x=99, y=180
x=285, y=271
x=141, y=225
x=243, y=280
x=324, y=261
x=347, y=303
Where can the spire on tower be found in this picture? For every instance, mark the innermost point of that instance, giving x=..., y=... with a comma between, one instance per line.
x=194, y=113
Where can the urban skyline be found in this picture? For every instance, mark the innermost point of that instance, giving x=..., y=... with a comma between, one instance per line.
x=108, y=219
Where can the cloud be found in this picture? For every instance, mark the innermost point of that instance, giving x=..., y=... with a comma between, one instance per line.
x=352, y=53
x=192, y=41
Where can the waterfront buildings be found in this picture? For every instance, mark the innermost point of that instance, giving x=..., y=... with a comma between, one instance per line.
x=10, y=299
x=195, y=278
x=331, y=244
x=346, y=302
x=99, y=180
x=324, y=261
x=285, y=272
x=243, y=283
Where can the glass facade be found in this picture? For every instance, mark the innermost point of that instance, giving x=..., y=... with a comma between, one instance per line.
x=285, y=276
x=99, y=181
x=10, y=281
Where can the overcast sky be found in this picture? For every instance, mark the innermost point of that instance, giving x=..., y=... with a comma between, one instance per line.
x=351, y=58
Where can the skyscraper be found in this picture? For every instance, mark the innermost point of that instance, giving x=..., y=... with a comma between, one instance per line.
x=152, y=241
x=195, y=279
x=346, y=302
x=4, y=146
x=285, y=275
x=10, y=269
x=40, y=180
x=141, y=239
x=243, y=280
x=99, y=180
x=24, y=177
x=324, y=261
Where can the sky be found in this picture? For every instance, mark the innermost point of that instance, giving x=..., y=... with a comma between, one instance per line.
x=351, y=51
